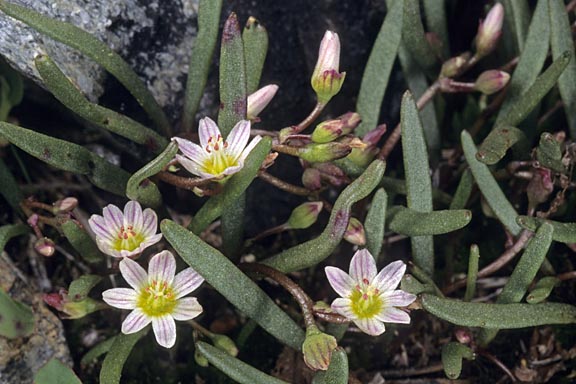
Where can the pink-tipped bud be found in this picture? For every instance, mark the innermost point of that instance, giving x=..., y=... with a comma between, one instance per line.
x=45, y=247
x=312, y=179
x=317, y=348
x=70, y=309
x=321, y=153
x=65, y=205
x=452, y=67
x=304, y=215
x=326, y=79
x=540, y=186
x=33, y=220
x=260, y=100
x=355, y=232
x=330, y=130
x=363, y=156
x=492, y=81
x=489, y=31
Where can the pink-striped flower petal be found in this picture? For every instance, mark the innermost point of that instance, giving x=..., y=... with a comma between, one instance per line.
x=207, y=129
x=238, y=138
x=371, y=326
x=162, y=268
x=185, y=282
x=191, y=166
x=250, y=147
x=187, y=309
x=343, y=307
x=114, y=217
x=149, y=223
x=123, y=298
x=100, y=228
x=389, y=277
x=363, y=267
x=234, y=169
x=165, y=330
x=133, y=215
x=393, y=315
x=133, y=273
x=340, y=281
x=135, y=321
x=398, y=298
x=191, y=150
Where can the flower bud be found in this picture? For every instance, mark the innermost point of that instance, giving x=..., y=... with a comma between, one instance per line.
x=321, y=153
x=540, y=187
x=489, y=31
x=311, y=179
x=65, y=205
x=225, y=343
x=69, y=308
x=200, y=359
x=317, y=348
x=355, y=232
x=326, y=79
x=330, y=130
x=304, y=215
x=45, y=246
x=259, y=100
x=492, y=81
x=453, y=66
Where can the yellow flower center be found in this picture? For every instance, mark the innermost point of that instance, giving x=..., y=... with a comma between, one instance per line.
x=366, y=301
x=219, y=158
x=127, y=239
x=157, y=299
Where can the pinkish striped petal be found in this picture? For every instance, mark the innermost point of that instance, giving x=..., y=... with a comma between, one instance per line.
x=149, y=241
x=191, y=166
x=191, y=150
x=123, y=298
x=165, y=330
x=393, y=315
x=135, y=321
x=397, y=298
x=363, y=267
x=207, y=129
x=234, y=169
x=149, y=223
x=100, y=228
x=185, y=282
x=389, y=277
x=105, y=247
x=238, y=138
x=343, y=307
x=249, y=148
x=133, y=215
x=114, y=217
x=370, y=326
x=186, y=309
x=133, y=273
x=340, y=281
x=162, y=267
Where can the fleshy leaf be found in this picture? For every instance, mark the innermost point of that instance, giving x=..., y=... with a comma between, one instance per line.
x=563, y=232
x=497, y=143
x=375, y=222
x=16, y=320
x=80, y=287
x=410, y=222
x=81, y=241
x=452, y=355
x=54, y=372
x=111, y=371
x=337, y=372
x=255, y=39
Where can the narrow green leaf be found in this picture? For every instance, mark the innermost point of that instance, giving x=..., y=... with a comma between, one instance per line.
x=16, y=318
x=502, y=316
x=497, y=143
x=234, y=368
x=542, y=289
x=517, y=16
x=489, y=187
x=463, y=191
x=375, y=222
x=255, y=39
x=81, y=241
x=140, y=188
x=411, y=285
x=337, y=372
x=233, y=189
x=418, y=183
x=531, y=60
x=549, y=153
x=90, y=46
x=314, y=251
x=55, y=372
x=69, y=95
x=201, y=58
x=232, y=224
x=452, y=355
x=232, y=77
x=231, y=283
x=378, y=68
x=411, y=223
x=97, y=351
x=9, y=188
x=9, y=231
x=472, y=275
x=398, y=186
x=14, y=82
x=563, y=232
x=81, y=287
x=529, y=99
x=435, y=15
x=68, y=157
x=561, y=41
x=111, y=371
x=414, y=38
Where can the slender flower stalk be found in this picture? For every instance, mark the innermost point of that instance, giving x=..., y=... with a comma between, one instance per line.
x=156, y=297
x=369, y=298
x=259, y=100
x=125, y=234
x=216, y=158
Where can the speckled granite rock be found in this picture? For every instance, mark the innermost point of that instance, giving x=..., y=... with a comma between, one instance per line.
x=154, y=36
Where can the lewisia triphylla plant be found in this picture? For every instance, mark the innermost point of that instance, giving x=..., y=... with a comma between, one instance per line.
x=369, y=298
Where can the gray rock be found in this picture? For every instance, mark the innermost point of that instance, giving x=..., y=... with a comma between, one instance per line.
x=155, y=37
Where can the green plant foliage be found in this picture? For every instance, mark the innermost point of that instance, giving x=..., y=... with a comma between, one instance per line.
x=337, y=372
x=81, y=241
x=9, y=187
x=414, y=38
x=375, y=222
x=393, y=185
x=472, y=275
x=495, y=146
x=517, y=15
x=542, y=289
x=255, y=39
x=410, y=222
x=97, y=351
x=16, y=318
x=452, y=355
x=435, y=15
x=463, y=191
x=563, y=232
x=80, y=287
x=9, y=231
x=54, y=372
x=549, y=153
x=111, y=370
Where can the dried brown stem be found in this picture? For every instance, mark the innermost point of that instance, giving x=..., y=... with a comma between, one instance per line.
x=283, y=185
x=181, y=182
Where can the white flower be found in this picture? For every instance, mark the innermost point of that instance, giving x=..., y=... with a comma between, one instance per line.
x=367, y=298
x=125, y=234
x=216, y=157
x=156, y=297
